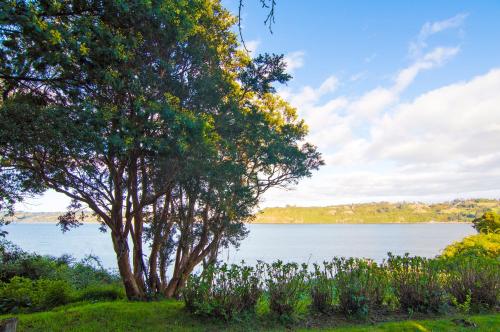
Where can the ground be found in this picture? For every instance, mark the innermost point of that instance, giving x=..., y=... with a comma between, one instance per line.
x=171, y=316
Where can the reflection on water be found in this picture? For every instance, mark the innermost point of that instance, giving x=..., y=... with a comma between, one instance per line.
x=299, y=243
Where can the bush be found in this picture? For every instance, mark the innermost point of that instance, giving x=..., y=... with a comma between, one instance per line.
x=16, y=262
x=23, y=294
x=474, y=281
x=416, y=282
x=361, y=285
x=321, y=288
x=223, y=291
x=285, y=285
x=479, y=245
x=103, y=292
x=489, y=222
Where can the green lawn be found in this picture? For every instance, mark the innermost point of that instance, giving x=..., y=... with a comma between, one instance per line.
x=171, y=316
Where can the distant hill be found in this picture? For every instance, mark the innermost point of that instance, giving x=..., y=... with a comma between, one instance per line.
x=383, y=212
x=49, y=217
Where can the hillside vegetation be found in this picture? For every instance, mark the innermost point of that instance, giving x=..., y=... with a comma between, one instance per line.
x=383, y=212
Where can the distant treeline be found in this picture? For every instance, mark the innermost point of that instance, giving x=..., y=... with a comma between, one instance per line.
x=382, y=212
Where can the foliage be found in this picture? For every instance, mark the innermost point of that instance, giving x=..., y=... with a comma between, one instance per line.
x=361, y=285
x=417, y=283
x=223, y=291
x=473, y=281
x=475, y=246
x=381, y=212
x=285, y=284
x=42, y=294
x=489, y=222
x=146, y=113
x=102, y=292
x=16, y=262
x=322, y=288
x=31, y=282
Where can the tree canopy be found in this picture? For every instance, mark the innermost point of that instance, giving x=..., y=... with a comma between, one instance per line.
x=147, y=113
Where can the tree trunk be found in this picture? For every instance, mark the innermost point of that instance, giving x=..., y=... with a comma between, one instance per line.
x=132, y=290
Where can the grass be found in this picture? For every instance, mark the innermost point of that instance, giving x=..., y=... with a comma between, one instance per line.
x=170, y=315
x=383, y=212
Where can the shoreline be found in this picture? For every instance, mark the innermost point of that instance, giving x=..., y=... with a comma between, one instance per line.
x=280, y=223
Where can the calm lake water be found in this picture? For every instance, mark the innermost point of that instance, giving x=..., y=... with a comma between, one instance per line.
x=299, y=243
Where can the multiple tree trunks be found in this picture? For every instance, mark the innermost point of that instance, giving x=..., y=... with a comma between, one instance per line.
x=148, y=114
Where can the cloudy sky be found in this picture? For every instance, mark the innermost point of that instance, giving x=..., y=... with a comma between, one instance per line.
x=402, y=99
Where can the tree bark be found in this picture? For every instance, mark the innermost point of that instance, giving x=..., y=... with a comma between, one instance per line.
x=132, y=290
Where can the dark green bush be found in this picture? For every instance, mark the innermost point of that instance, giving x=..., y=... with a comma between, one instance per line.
x=361, y=285
x=285, y=284
x=475, y=280
x=321, y=288
x=223, y=291
x=416, y=282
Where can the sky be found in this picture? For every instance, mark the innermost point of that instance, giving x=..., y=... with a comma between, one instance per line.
x=402, y=98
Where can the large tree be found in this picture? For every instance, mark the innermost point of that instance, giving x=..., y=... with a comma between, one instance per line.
x=148, y=114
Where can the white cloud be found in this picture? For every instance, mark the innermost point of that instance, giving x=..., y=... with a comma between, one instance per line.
x=431, y=28
x=294, y=60
x=458, y=121
x=442, y=144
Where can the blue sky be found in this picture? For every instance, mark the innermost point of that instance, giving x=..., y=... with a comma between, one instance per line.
x=402, y=98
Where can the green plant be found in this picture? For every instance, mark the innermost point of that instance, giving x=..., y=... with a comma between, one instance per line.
x=223, y=291
x=475, y=280
x=23, y=294
x=102, y=292
x=285, y=285
x=321, y=288
x=361, y=285
x=417, y=283
x=489, y=222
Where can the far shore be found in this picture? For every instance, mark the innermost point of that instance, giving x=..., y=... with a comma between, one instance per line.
x=274, y=223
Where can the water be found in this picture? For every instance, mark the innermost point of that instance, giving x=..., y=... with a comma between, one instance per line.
x=299, y=243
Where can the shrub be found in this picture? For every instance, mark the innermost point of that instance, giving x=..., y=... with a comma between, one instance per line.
x=474, y=280
x=23, y=294
x=16, y=262
x=479, y=245
x=16, y=295
x=416, y=282
x=361, y=285
x=102, y=292
x=223, y=291
x=321, y=288
x=489, y=222
x=285, y=285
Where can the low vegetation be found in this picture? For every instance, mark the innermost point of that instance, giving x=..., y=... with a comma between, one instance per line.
x=30, y=282
x=356, y=288
x=170, y=315
x=383, y=212
x=462, y=282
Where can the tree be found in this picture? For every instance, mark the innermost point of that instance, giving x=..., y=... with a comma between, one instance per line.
x=147, y=114
x=489, y=222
